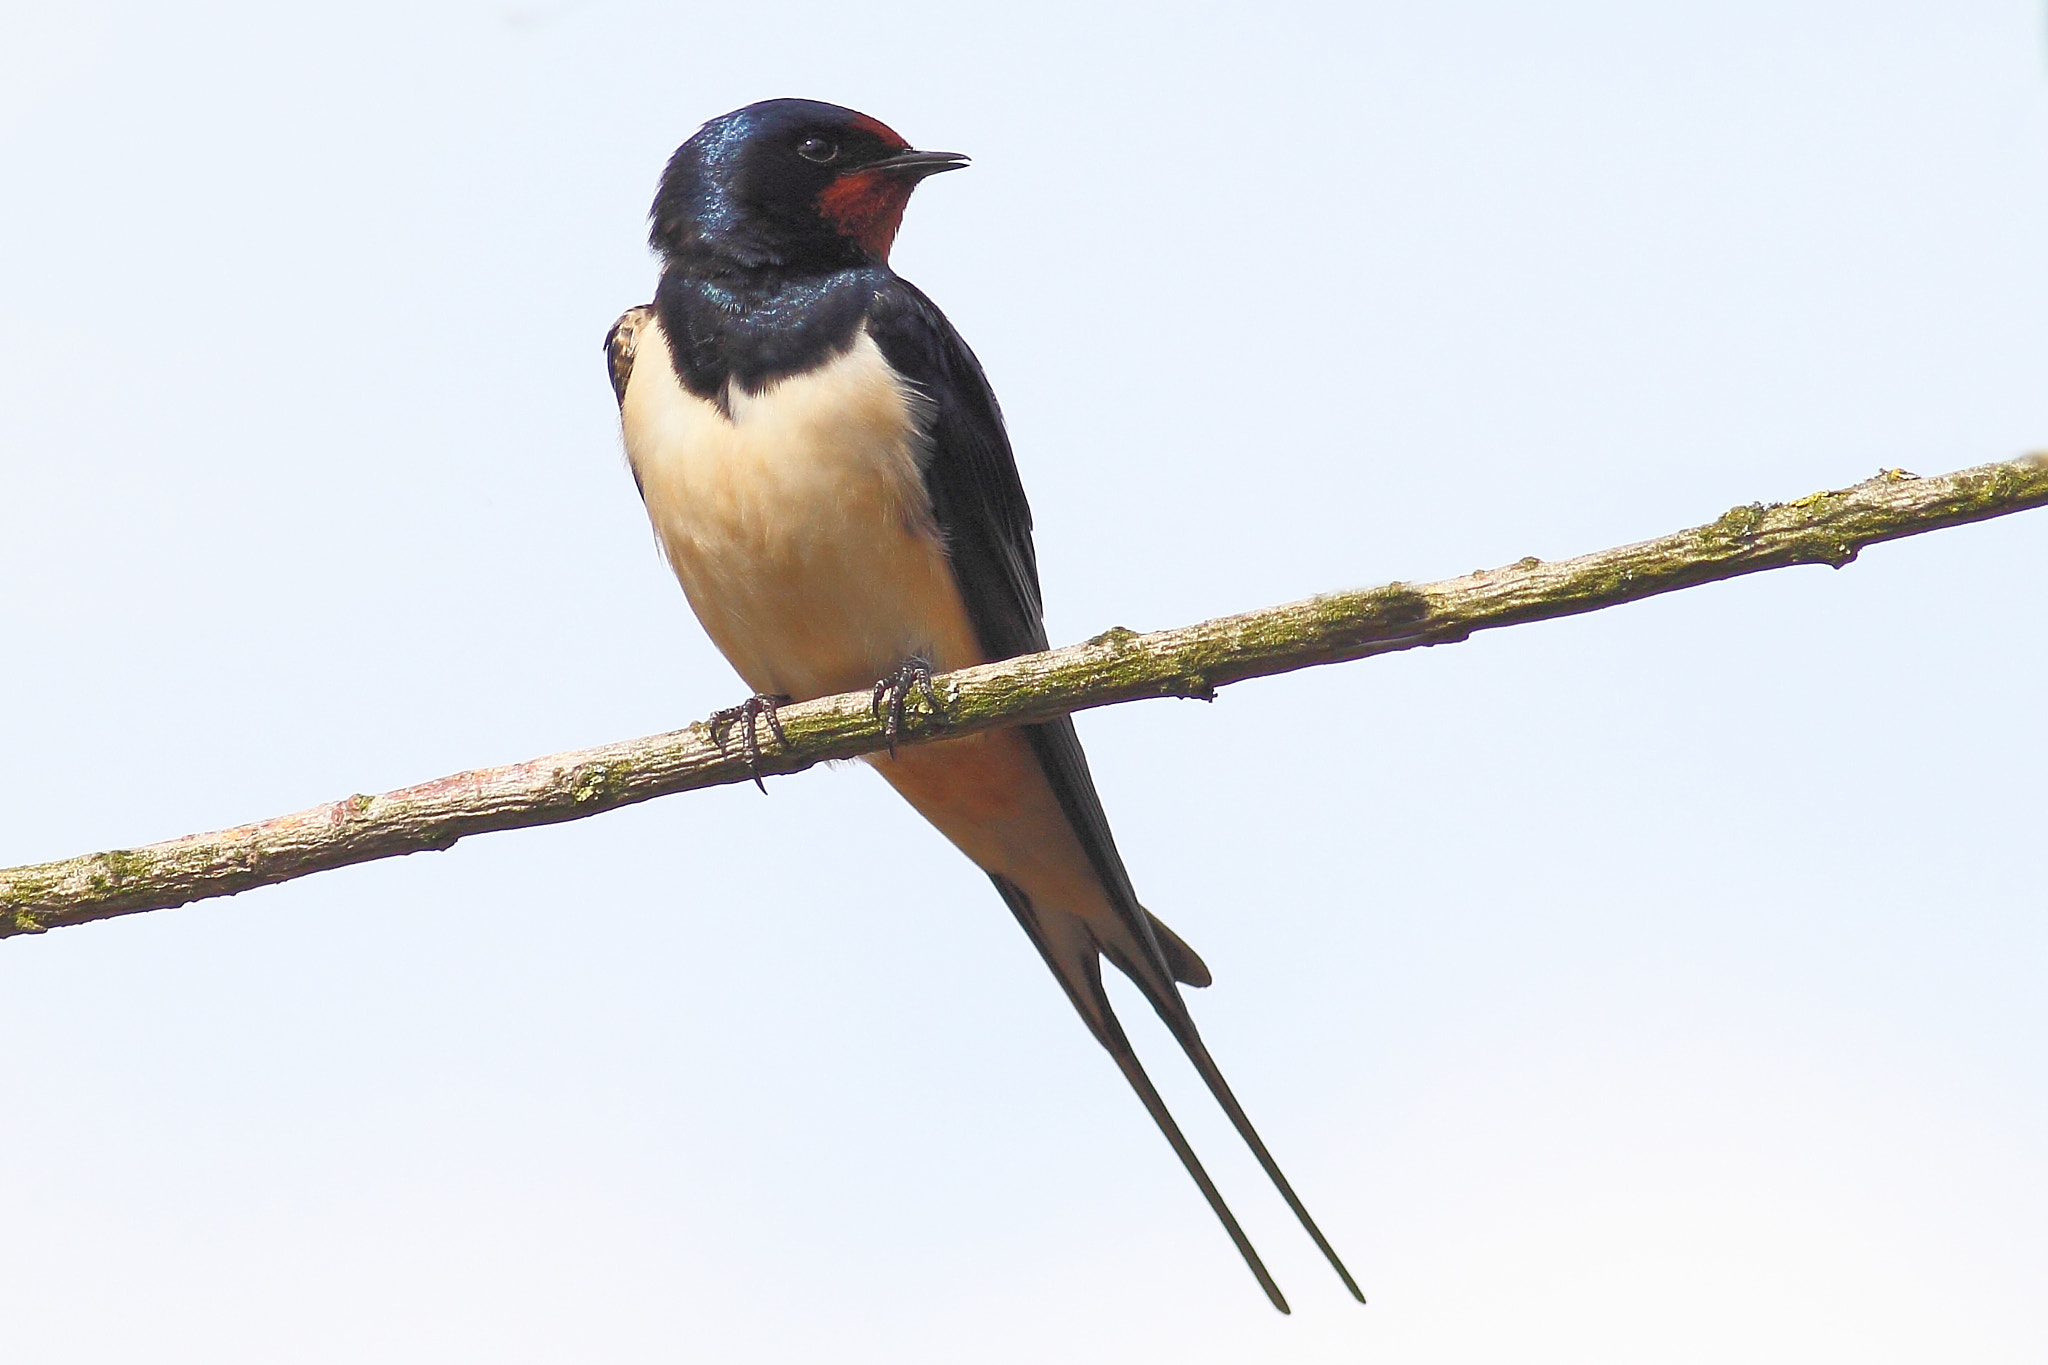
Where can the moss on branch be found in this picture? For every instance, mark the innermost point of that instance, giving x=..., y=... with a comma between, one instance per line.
x=1118, y=665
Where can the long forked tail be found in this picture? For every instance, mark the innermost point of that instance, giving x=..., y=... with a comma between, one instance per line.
x=1079, y=969
x=1191, y=1043
x=1174, y=1012
x=1127, y=1062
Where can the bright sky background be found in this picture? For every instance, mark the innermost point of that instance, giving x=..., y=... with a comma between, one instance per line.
x=1662, y=985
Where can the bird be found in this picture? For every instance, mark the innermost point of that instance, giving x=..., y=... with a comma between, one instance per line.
x=828, y=475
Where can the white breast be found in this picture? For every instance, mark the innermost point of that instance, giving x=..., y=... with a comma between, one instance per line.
x=799, y=526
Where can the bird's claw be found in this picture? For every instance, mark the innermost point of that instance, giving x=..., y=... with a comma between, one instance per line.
x=892, y=693
x=749, y=713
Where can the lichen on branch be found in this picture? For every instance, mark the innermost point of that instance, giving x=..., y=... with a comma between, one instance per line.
x=1118, y=665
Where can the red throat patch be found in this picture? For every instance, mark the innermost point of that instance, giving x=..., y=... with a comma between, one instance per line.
x=867, y=206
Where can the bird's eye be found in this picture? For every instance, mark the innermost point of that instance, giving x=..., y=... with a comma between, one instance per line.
x=817, y=149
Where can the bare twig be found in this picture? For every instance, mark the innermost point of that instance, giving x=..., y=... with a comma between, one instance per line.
x=1116, y=666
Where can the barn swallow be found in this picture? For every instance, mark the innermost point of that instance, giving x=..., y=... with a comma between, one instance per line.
x=828, y=475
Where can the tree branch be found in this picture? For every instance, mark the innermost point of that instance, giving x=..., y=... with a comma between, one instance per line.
x=1117, y=666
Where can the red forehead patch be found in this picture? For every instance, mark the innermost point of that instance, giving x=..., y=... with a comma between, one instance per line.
x=863, y=124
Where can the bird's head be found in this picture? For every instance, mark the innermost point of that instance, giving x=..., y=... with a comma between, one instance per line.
x=790, y=185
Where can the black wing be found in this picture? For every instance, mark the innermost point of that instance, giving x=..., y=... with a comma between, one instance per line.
x=979, y=503
x=980, y=507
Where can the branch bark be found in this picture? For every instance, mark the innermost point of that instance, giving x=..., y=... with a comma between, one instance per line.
x=1117, y=666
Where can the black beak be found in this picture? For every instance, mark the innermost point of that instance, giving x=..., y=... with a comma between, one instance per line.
x=918, y=165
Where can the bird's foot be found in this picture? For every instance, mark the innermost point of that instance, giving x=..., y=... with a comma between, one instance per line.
x=748, y=713
x=892, y=696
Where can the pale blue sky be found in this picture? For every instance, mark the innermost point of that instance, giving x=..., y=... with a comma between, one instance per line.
x=1662, y=985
